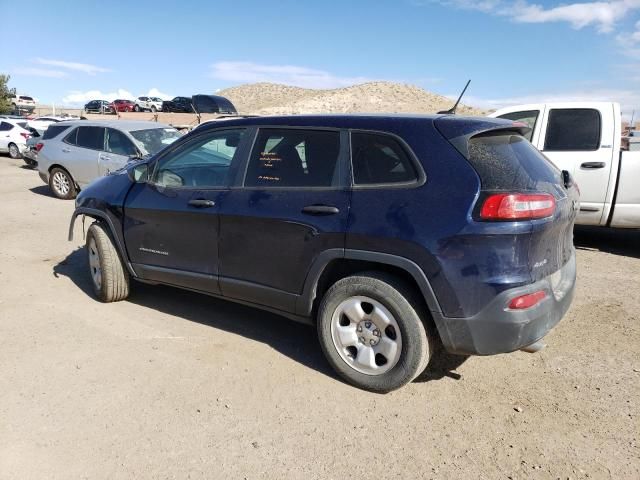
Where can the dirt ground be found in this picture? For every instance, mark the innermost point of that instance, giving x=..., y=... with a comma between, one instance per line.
x=171, y=384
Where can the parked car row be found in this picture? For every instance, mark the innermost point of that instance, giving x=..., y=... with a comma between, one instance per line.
x=194, y=104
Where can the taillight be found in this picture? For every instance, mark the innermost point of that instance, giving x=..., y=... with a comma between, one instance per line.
x=39, y=146
x=527, y=301
x=517, y=206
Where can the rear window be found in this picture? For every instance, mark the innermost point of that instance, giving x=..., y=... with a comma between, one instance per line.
x=573, y=129
x=507, y=161
x=54, y=131
x=28, y=99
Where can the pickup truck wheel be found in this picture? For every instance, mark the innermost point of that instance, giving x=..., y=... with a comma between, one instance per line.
x=109, y=277
x=371, y=331
x=14, y=151
x=61, y=184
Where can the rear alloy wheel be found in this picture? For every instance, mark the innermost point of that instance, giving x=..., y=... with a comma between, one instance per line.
x=14, y=151
x=109, y=277
x=371, y=331
x=61, y=184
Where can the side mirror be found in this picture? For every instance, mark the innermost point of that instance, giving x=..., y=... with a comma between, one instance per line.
x=139, y=173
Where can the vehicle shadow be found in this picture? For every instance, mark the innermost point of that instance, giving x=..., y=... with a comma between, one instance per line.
x=294, y=340
x=619, y=241
x=43, y=190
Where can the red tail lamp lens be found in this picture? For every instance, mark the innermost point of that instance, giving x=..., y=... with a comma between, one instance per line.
x=527, y=301
x=517, y=206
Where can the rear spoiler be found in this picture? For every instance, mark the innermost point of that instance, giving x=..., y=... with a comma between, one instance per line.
x=459, y=130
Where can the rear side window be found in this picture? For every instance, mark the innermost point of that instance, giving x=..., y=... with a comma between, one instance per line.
x=91, y=137
x=380, y=159
x=508, y=162
x=530, y=117
x=294, y=158
x=53, y=131
x=573, y=129
x=5, y=127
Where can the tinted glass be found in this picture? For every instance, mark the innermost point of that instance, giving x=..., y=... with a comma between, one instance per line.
x=71, y=137
x=294, y=158
x=573, y=129
x=119, y=143
x=380, y=159
x=506, y=161
x=4, y=126
x=54, y=131
x=91, y=137
x=530, y=117
x=203, y=162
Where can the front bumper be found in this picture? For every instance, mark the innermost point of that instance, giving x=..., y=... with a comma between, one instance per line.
x=44, y=177
x=496, y=329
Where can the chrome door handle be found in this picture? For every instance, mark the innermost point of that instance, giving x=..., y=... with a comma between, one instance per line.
x=66, y=150
x=320, y=210
x=202, y=203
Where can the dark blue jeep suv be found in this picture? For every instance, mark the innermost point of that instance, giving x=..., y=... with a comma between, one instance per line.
x=392, y=234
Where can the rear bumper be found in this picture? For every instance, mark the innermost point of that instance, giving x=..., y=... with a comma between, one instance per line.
x=497, y=329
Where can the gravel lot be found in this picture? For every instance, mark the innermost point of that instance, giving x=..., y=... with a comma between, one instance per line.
x=171, y=384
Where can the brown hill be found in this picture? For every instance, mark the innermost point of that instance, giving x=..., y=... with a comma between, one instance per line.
x=373, y=97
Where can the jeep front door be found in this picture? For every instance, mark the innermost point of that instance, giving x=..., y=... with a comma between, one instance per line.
x=171, y=222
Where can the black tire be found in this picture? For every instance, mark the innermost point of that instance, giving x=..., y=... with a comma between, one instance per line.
x=61, y=188
x=406, y=306
x=14, y=151
x=137, y=108
x=101, y=252
x=154, y=109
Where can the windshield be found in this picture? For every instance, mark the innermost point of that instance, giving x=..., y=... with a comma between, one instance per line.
x=155, y=139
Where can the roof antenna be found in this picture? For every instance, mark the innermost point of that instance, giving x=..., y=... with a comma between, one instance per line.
x=452, y=110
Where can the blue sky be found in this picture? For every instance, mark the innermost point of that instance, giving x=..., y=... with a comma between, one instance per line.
x=514, y=51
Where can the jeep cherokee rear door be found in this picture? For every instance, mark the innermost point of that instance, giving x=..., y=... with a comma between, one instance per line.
x=293, y=206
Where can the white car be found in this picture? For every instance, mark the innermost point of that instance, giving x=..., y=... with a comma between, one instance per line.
x=40, y=124
x=22, y=103
x=152, y=104
x=13, y=137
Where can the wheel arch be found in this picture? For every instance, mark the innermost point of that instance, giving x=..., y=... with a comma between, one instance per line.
x=111, y=230
x=334, y=264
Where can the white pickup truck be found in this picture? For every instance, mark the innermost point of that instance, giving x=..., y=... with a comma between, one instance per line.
x=584, y=138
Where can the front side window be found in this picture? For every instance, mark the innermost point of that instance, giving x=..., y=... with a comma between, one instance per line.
x=119, y=144
x=573, y=129
x=380, y=159
x=90, y=137
x=530, y=117
x=294, y=158
x=152, y=140
x=201, y=163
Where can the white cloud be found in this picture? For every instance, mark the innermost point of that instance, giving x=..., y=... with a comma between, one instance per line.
x=249, y=72
x=39, y=72
x=603, y=15
x=629, y=99
x=154, y=92
x=79, y=67
x=77, y=97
